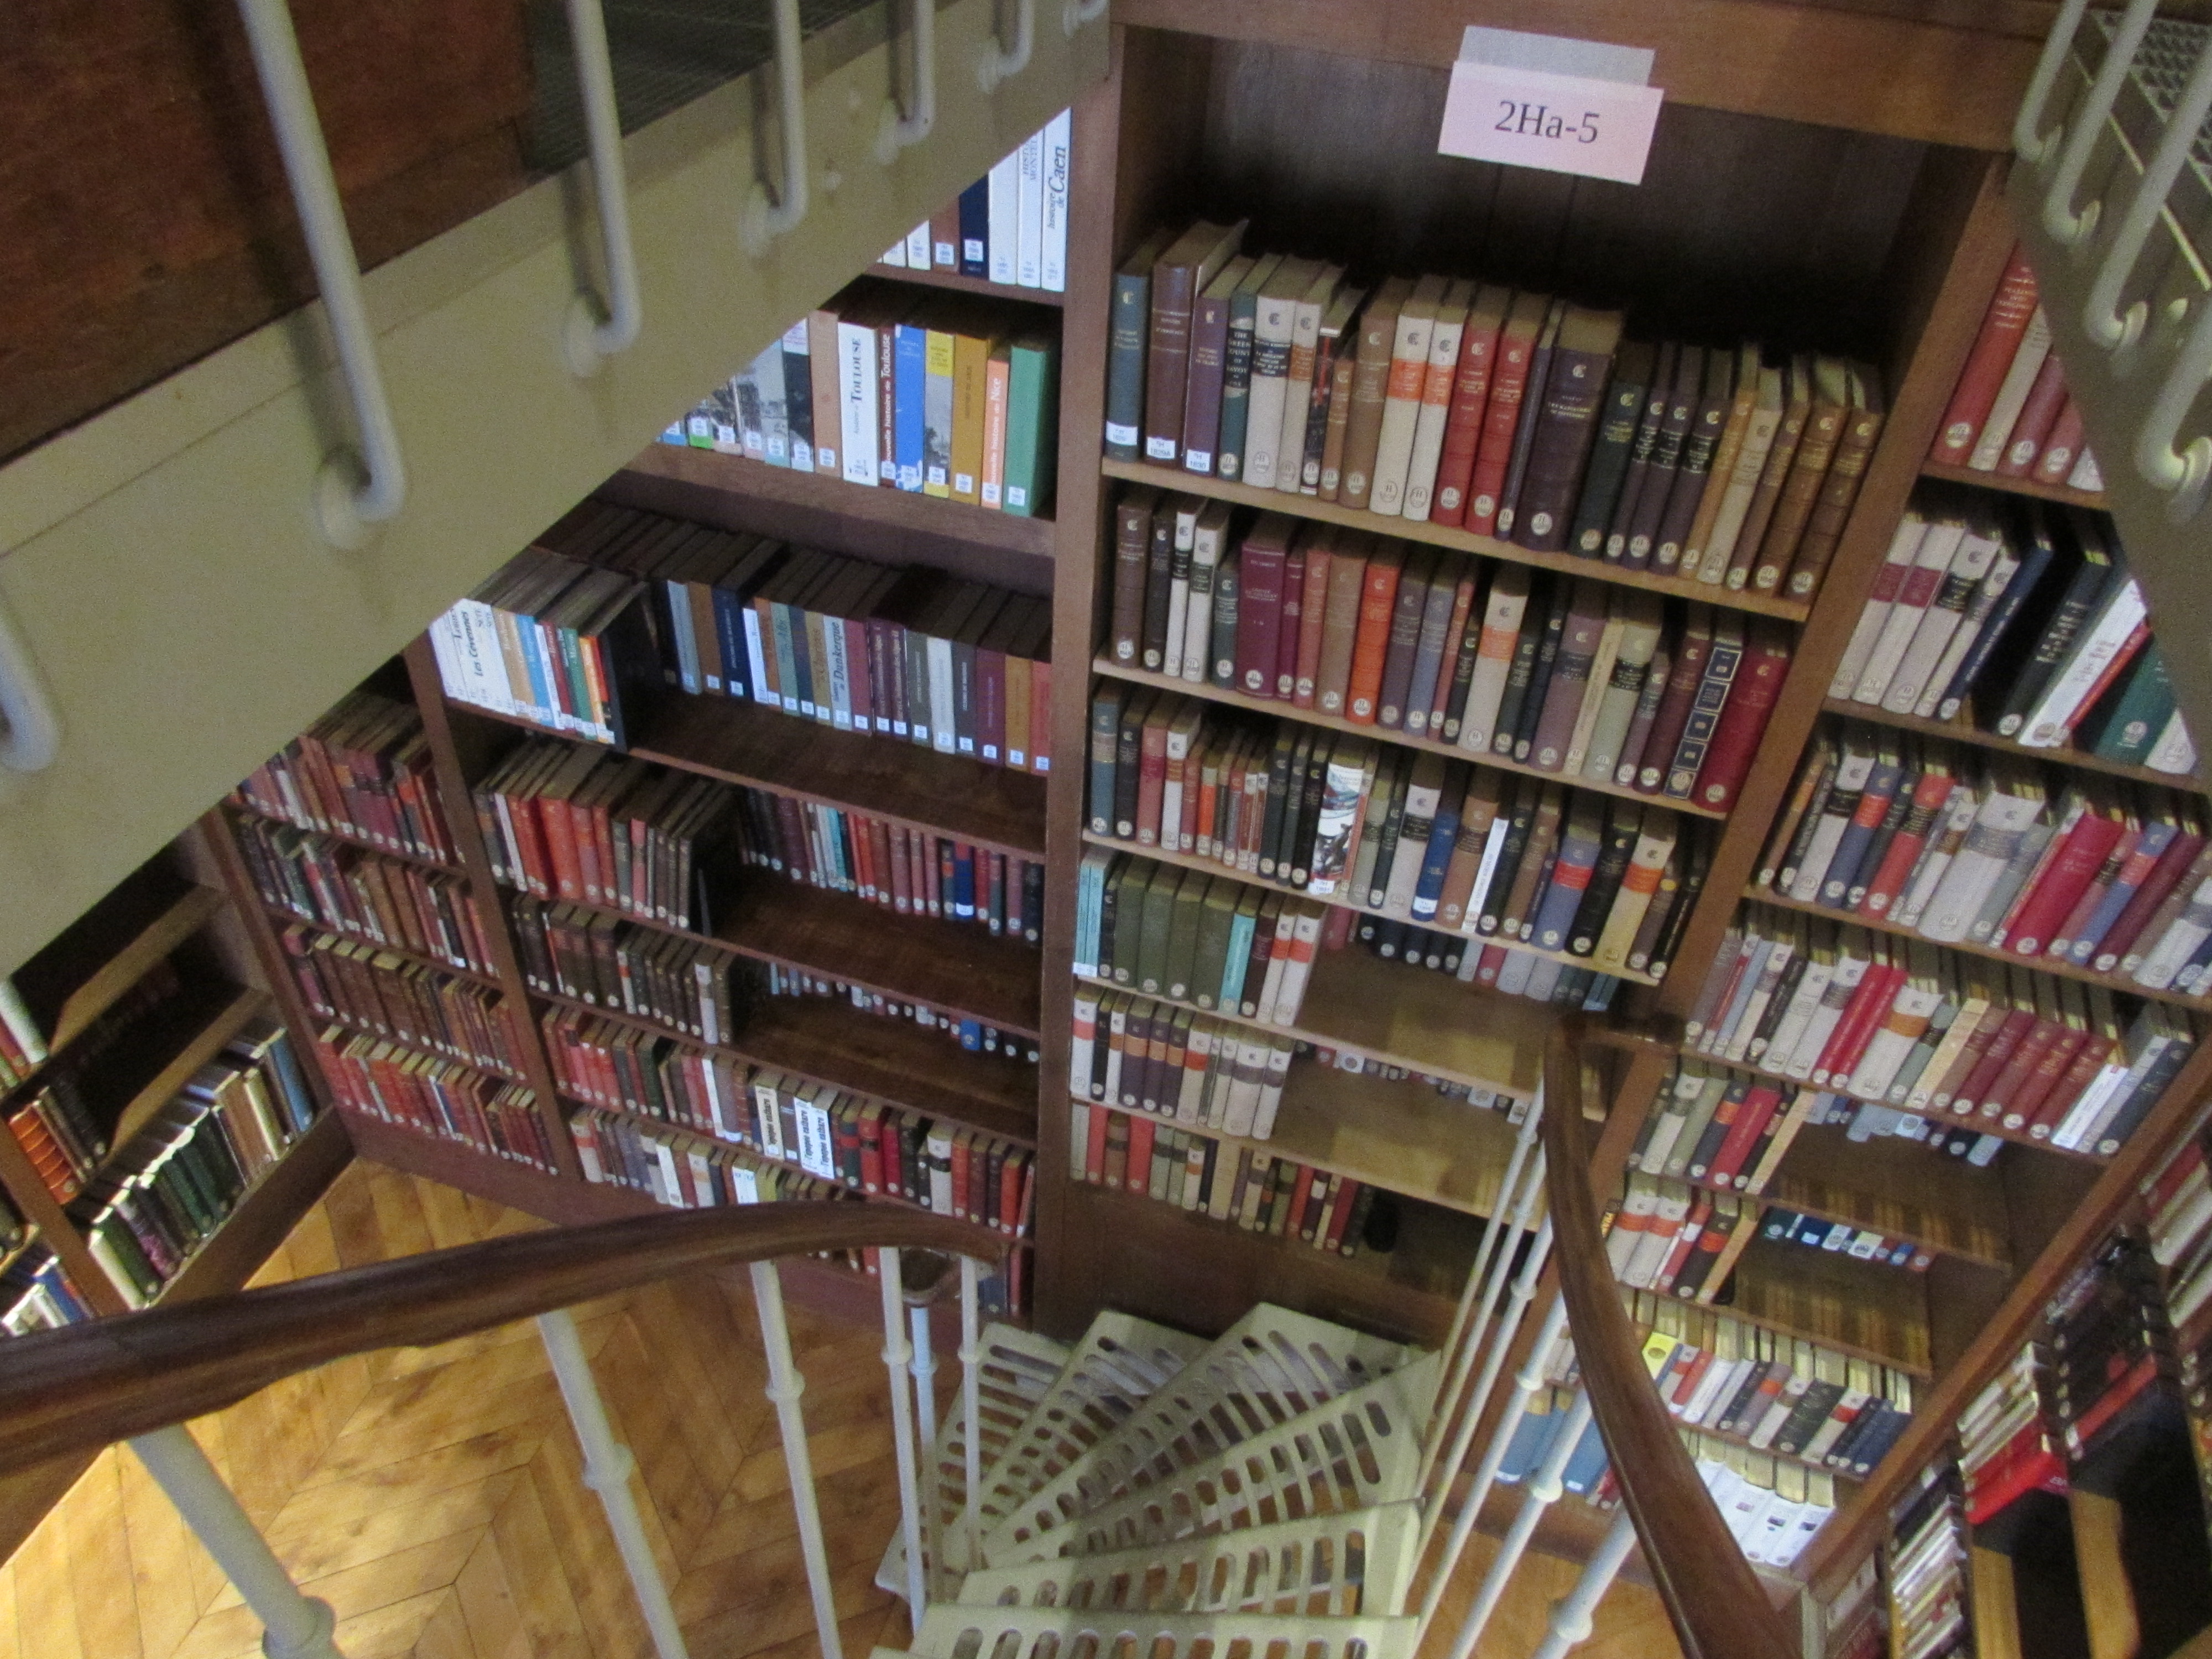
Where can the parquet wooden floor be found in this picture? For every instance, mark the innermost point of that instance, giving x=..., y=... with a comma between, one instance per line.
x=434, y=1497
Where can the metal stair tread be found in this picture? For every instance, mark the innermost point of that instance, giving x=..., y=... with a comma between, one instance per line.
x=953, y=1631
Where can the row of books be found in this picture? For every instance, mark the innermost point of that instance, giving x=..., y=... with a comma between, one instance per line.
x=693, y=985
x=1257, y=1191
x=865, y=1146
x=949, y=395
x=2010, y=414
x=1516, y=415
x=1010, y=226
x=776, y=980
x=1676, y=1240
x=181, y=1176
x=1505, y=968
x=1773, y=1507
x=1142, y=1055
x=35, y=1292
x=1961, y=849
x=1896, y=1024
x=63, y=1126
x=2179, y=1202
x=1195, y=938
x=908, y=870
x=683, y=1171
x=1818, y=1232
x=580, y=825
x=1929, y=1598
x=1784, y=1394
x=431, y=1095
x=1566, y=676
x=1414, y=837
x=348, y=890
x=2107, y=1373
x=23, y=1047
x=374, y=991
x=2025, y=620
x=362, y=770
x=610, y=598
x=2006, y=1448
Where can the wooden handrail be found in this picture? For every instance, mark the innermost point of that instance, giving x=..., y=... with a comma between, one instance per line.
x=84, y=1387
x=1716, y=1602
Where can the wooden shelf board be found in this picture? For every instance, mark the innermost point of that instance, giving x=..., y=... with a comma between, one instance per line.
x=1901, y=1190
x=1962, y=732
x=2113, y=982
x=264, y=1214
x=287, y=917
x=235, y=809
x=1401, y=1136
x=115, y=976
x=899, y=509
x=1462, y=541
x=953, y=282
x=1211, y=693
x=1434, y=1026
x=2041, y=492
x=893, y=1060
x=952, y=795
x=1856, y=1308
x=1474, y=941
x=161, y=1088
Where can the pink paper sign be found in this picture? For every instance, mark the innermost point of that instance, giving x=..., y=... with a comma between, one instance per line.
x=1561, y=123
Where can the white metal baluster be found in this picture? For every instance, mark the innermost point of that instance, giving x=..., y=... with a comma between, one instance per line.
x=1525, y=1384
x=608, y=1466
x=2029, y=142
x=2183, y=474
x=761, y=222
x=899, y=129
x=994, y=64
x=2065, y=225
x=1076, y=13
x=896, y=1356
x=2100, y=311
x=1572, y=1613
x=923, y=1368
x=293, y=1626
x=34, y=736
x=591, y=336
x=352, y=491
x=971, y=1387
x=1537, y=1496
x=785, y=1386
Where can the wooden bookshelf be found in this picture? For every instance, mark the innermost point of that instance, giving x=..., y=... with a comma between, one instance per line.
x=162, y=1087
x=282, y=916
x=233, y=809
x=1899, y=1189
x=265, y=1214
x=2093, y=499
x=1211, y=693
x=1959, y=731
x=1459, y=541
x=66, y=1006
x=953, y=283
x=1859, y=1309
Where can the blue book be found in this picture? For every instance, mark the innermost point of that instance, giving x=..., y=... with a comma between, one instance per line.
x=1444, y=835
x=1599, y=998
x=909, y=389
x=964, y=885
x=1571, y=878
x=1240, y=950
x=730, y=630
x=1532, y=1438
x=976, y=228
x=2034, y=562
x=971, y=1035
x=2150, y=847
x=1586, y=1464
x=1851, y=850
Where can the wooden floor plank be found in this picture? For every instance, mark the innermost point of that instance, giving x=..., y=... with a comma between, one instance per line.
x=445, y=1632
x=487, y=1602
x=45, y=1612
x=99, y=1564
x=526, y=1560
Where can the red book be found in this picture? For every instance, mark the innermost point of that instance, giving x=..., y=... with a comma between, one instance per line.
x=1292, y=634
x=2112, y=1401
x=1094, y=1160
x=2026, y=1104
x=560, y=828
x=2052, y=898
x=1863, y=1016
x=1259, y=604
x=1300, y=1190
x=2009, y=1034
x=1501, y=419
x=1743, y=718
x=1137, y=1174
x=2063, y=447
x=1152, y=772
x=2037, y=415
x=1994, y=347
x=872, y=1150
x=1378, y=604
x=845, y=1140
x=1011, y=1182
x=1693, y=1374
x=1751, y=1121
x=1689, y=653
x=1470, y=399
x=2088, y=1060
x=1348, y=1192
x=1685, y=1240
x=2019, y=1067
x=1930, y=796
x=2179, y=860
x=858, y=689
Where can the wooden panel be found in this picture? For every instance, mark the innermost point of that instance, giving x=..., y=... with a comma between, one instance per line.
x=2011, y=486
x=952, y=282
x=2106, y=1598
x=1854, y=1307
x=1958, y=730
x=1898, y=1187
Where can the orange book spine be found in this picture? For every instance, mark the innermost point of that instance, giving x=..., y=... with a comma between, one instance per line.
x=1377, y=600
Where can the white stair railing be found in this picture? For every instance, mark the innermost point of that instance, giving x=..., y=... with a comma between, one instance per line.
x=785, y=1385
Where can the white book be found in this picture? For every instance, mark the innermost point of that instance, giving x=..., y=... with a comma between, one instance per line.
x=1493, y=843
x=2011, y=393
x=1937, y=548
x=1243, y=1105
x=1029, y=230
x=1933, y=704
x=1999, y=825
x=2086, y=474
x=1601, y=680
x=917, y=247
x=1632, y=1222
x=1273, y=315
x=895, y=255
x=1186, y=539
x=1207, y=536
x=1002, y=189
x=1423, y=793
x=942, y=735
x=1920, y=887
x=939, y=1150
x=1903, y=552
x=1058, y=167
x=2174, y=751
x=1271, y=1091
x=1656, y=1240
x=2052, y=718
x=1843, y=984
x=1502, y=616
x=1401, y=407
x=2171, y=952
x=1445, y=337
x=1789, y=1030
x=857, y=424
x=1886, y=1051
x=1916, y=668
x=1514, y=974
x=1757, y=949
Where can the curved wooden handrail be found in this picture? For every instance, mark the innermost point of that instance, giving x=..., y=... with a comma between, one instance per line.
x=1717, y=1606
x=83, y=1387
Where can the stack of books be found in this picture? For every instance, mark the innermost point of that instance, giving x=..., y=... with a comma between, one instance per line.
x=610, y=603
x=694, y=987
x=177, y=1180
x=905, y=870
x=776, y=980
x=1774, y=1508
x=1010, y=226
x=938, y=394
x=440, y=1098
x=1259, y=1192
x=2005, y=1450
x=348, y=889
x=1515, y=415
x=2109, y=1379
x=35, y=1292
x=2024, y=622
x=1928, y=1591
x=591, y=828
x=2011, y=414
x=1901, y=1027
x=1576, y=678
x=376, y=992
x=362, y=771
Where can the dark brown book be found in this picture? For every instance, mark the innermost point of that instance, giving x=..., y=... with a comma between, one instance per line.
x=1651, y=506
x=1133, y=545
x=1797, y=410
x=1412, y=600
x=1689, y=653
x=1209, y=348
x=1714, y=402
x=1566, y=426
x=1180, y=276
x=1370, y=388
x=1809, y=468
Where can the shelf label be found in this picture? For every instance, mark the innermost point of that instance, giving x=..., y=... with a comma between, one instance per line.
x=1543, y=101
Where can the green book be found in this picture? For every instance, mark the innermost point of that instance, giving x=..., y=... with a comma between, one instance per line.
x=1128, y=898
x=1287, y=740
x=1032, y=423
x=1217, y=922
x=1182, y=935
x=1236, y=367
x=1240, y=948
x=2138, y=713
x=1221, y=666
x=1158, y=923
